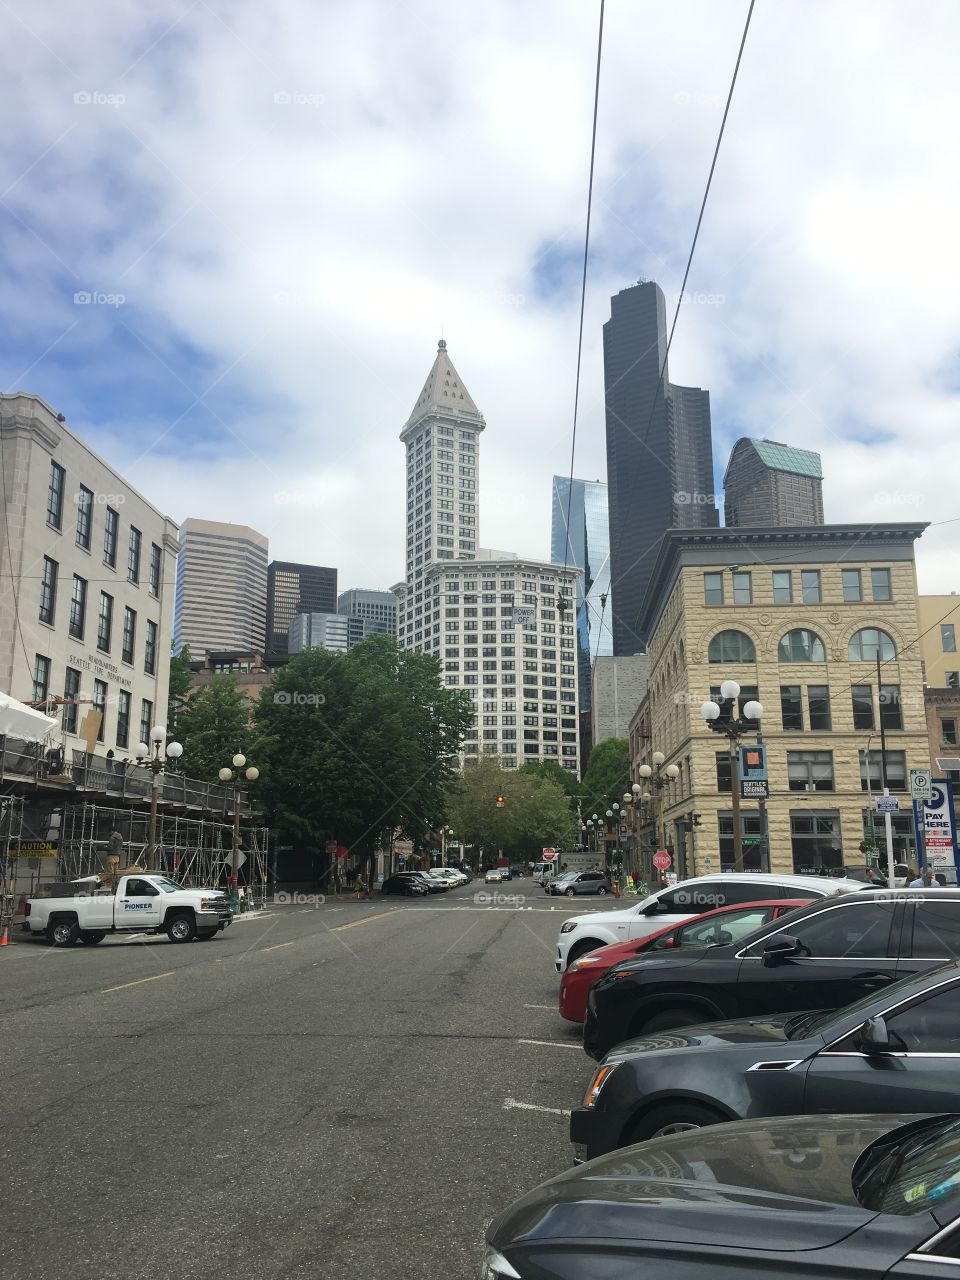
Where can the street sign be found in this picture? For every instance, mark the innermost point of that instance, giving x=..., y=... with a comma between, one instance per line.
x=549, y=855
x=34, y=849
x=331, y=846
x=921, y=784
x=753, y=762
x=939, y=826
x=662, y=860
x=888, y=804
x=754, y=789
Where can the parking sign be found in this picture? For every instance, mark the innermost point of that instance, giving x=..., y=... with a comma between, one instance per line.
x=921, y=784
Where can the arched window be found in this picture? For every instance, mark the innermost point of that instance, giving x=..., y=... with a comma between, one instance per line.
x=731, y=646
x=868, y=643
x=801, y=646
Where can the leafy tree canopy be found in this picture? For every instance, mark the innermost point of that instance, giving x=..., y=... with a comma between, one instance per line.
x=212, y=725
x=536, y=811
x=607, y=776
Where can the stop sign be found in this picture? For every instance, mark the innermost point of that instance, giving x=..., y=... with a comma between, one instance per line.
x=661, y=860
x=549, y=855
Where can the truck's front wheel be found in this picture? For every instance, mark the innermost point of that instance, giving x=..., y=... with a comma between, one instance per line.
x=63, y=933
x=181, y=929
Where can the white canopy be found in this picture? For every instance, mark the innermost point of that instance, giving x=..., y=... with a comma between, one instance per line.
x=20, y=721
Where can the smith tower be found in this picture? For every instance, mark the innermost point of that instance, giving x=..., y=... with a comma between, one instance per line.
x=442, y=440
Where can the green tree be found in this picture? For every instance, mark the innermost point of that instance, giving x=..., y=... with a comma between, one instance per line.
x=536, y=811
x=213, y=725
x=566, y=779
x=607, y=776
x=179, y=690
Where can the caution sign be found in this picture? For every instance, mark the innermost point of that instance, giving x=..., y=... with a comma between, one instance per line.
x=34, y=849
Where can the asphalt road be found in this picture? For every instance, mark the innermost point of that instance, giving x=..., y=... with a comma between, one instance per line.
x=347, y=1090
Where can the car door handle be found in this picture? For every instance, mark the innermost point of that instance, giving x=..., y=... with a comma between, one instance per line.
x=874, y=977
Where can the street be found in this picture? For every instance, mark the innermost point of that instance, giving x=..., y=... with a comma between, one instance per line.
x=343, y=1090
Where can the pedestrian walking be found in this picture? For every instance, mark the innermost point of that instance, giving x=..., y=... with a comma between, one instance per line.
x=926, y=880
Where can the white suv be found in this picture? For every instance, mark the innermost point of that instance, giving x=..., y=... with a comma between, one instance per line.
x=680, y=902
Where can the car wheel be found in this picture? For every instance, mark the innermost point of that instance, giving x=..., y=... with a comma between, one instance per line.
x=676, y=1117
x=90, y=937
x=582, y=948
x=570, y=893
x=601, y=891
x=182, y=929
x=63, y=933
x=668, y=1019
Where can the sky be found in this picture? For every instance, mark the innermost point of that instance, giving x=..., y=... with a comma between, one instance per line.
x=233, y=234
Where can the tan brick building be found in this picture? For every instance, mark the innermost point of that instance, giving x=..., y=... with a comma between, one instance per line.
x=796, y=617
x=940, y=640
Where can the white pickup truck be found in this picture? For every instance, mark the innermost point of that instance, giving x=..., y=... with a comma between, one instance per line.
x=148, y=902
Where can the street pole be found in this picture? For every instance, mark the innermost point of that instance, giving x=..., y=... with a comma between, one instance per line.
x=235, y=874
x=154, y=797
x=887, y=821
x=735, y=802
x=762, y=811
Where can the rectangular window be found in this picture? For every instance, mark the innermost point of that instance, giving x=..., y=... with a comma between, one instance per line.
x=156, y=562
x=948, y=637
x=791, y=706
x=123, y=718
x=48, y=590
x=100, y=704
x=810, y=585
x=948, y=731
x=818, y=699
x=896, y=771
x=41, y=678
x=863, y=715
x=55, y=495
x=111, y=530
x=810, y=770
x=84, y=517
x=78, y=607
x=129, y=633
x=146, y=719
x=713, y=588
x=891, y=712
x=133, y=556
x=815, y=840
x=71, y=692
x=880, y=583
x=953, y=679
x=724, y=777
x=105, y=622
x=852, y=585
x=782, y=586
x=742, y=588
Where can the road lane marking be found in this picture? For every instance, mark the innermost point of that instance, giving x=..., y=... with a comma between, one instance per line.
x=511, y=1104
x=553, y=1044
x=366, y=920
x=540, y=1006
x=156, y=976
x=277, y=945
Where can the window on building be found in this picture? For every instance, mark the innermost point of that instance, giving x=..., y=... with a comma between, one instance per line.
x=78, y=607
x=791, y=706
x=751, y=836
x=891, y=712
x=713, y=588
x=150, y=649
x=55, y=487
x=100, y=704
x=810, y=770
x=41, y=678
x=742, y=587
x=948, y=637
x=880, y=584
x=948, y=731
x=871, y=771
x=867, y=643
x=815, y=838
x=84, y=517
x=129, y=633
x=852, y=585
x=782, y=586
x=801, y=645
x=111, y=531
x=731, y=646
x=810, y=586
x=953, y=679
x=48, y=591
x=71, y=693
x=105, y=622
x=123, y=718
x=818, y=700
x=724, y=776
x=863, y=713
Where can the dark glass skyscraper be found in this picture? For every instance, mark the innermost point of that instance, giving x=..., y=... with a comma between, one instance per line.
x=582, y=538
x=659, y=452
x=292, y=589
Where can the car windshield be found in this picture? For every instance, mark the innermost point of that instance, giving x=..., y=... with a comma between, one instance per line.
x=168, y=886
x=910, y=1170
x=822, y=1022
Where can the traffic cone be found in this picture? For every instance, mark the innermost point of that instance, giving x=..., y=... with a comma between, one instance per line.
x=4, y=939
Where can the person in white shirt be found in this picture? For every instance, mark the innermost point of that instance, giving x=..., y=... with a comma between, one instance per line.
x=925, y=880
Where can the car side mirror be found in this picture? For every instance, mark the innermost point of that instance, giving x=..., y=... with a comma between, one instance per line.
x=651, y=908
x=779, y=948
x=873, y=1036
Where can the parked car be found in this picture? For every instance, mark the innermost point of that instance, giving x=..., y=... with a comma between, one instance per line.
x=826, y=1198
x=447, y=875
x=404, y=882
x=898, y=1048
x=433, y=884
x=712, y=929
x=550, y=885
x=821, y=957
x=680, y=902
x=576, y=883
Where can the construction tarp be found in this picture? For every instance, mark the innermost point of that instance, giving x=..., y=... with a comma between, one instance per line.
x=17, y=720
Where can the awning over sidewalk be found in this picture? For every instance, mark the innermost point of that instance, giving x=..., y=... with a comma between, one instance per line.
x=17, y=720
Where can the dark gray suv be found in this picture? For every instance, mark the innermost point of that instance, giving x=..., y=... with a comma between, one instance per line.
x=582, y=882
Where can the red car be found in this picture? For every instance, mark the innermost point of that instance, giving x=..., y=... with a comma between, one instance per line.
x=725, y=924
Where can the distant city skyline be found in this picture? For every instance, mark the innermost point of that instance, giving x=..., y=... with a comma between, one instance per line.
x=580, y=536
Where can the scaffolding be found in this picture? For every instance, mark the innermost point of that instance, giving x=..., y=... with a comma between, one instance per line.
x=195, y=852
x=11, y=832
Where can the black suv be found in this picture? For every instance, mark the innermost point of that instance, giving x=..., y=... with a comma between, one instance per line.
x=822, y=956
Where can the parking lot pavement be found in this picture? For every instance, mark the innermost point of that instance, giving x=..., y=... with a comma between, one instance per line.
x=349, y=1090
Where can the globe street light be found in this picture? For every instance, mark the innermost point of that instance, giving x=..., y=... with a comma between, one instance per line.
x=156, y=765
x=226, y=775
x=657, y=777
x=719, y=717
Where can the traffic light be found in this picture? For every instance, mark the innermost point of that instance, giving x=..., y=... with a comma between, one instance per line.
x=500, y=800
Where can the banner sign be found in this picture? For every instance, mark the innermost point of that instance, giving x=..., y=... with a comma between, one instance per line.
x=753, y=762
x=754, y=789
x=937, y=819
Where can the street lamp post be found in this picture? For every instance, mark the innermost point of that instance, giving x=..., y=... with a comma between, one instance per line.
x=720, y=718
x=228, y=775
x=658, y=777
x=156, y=764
